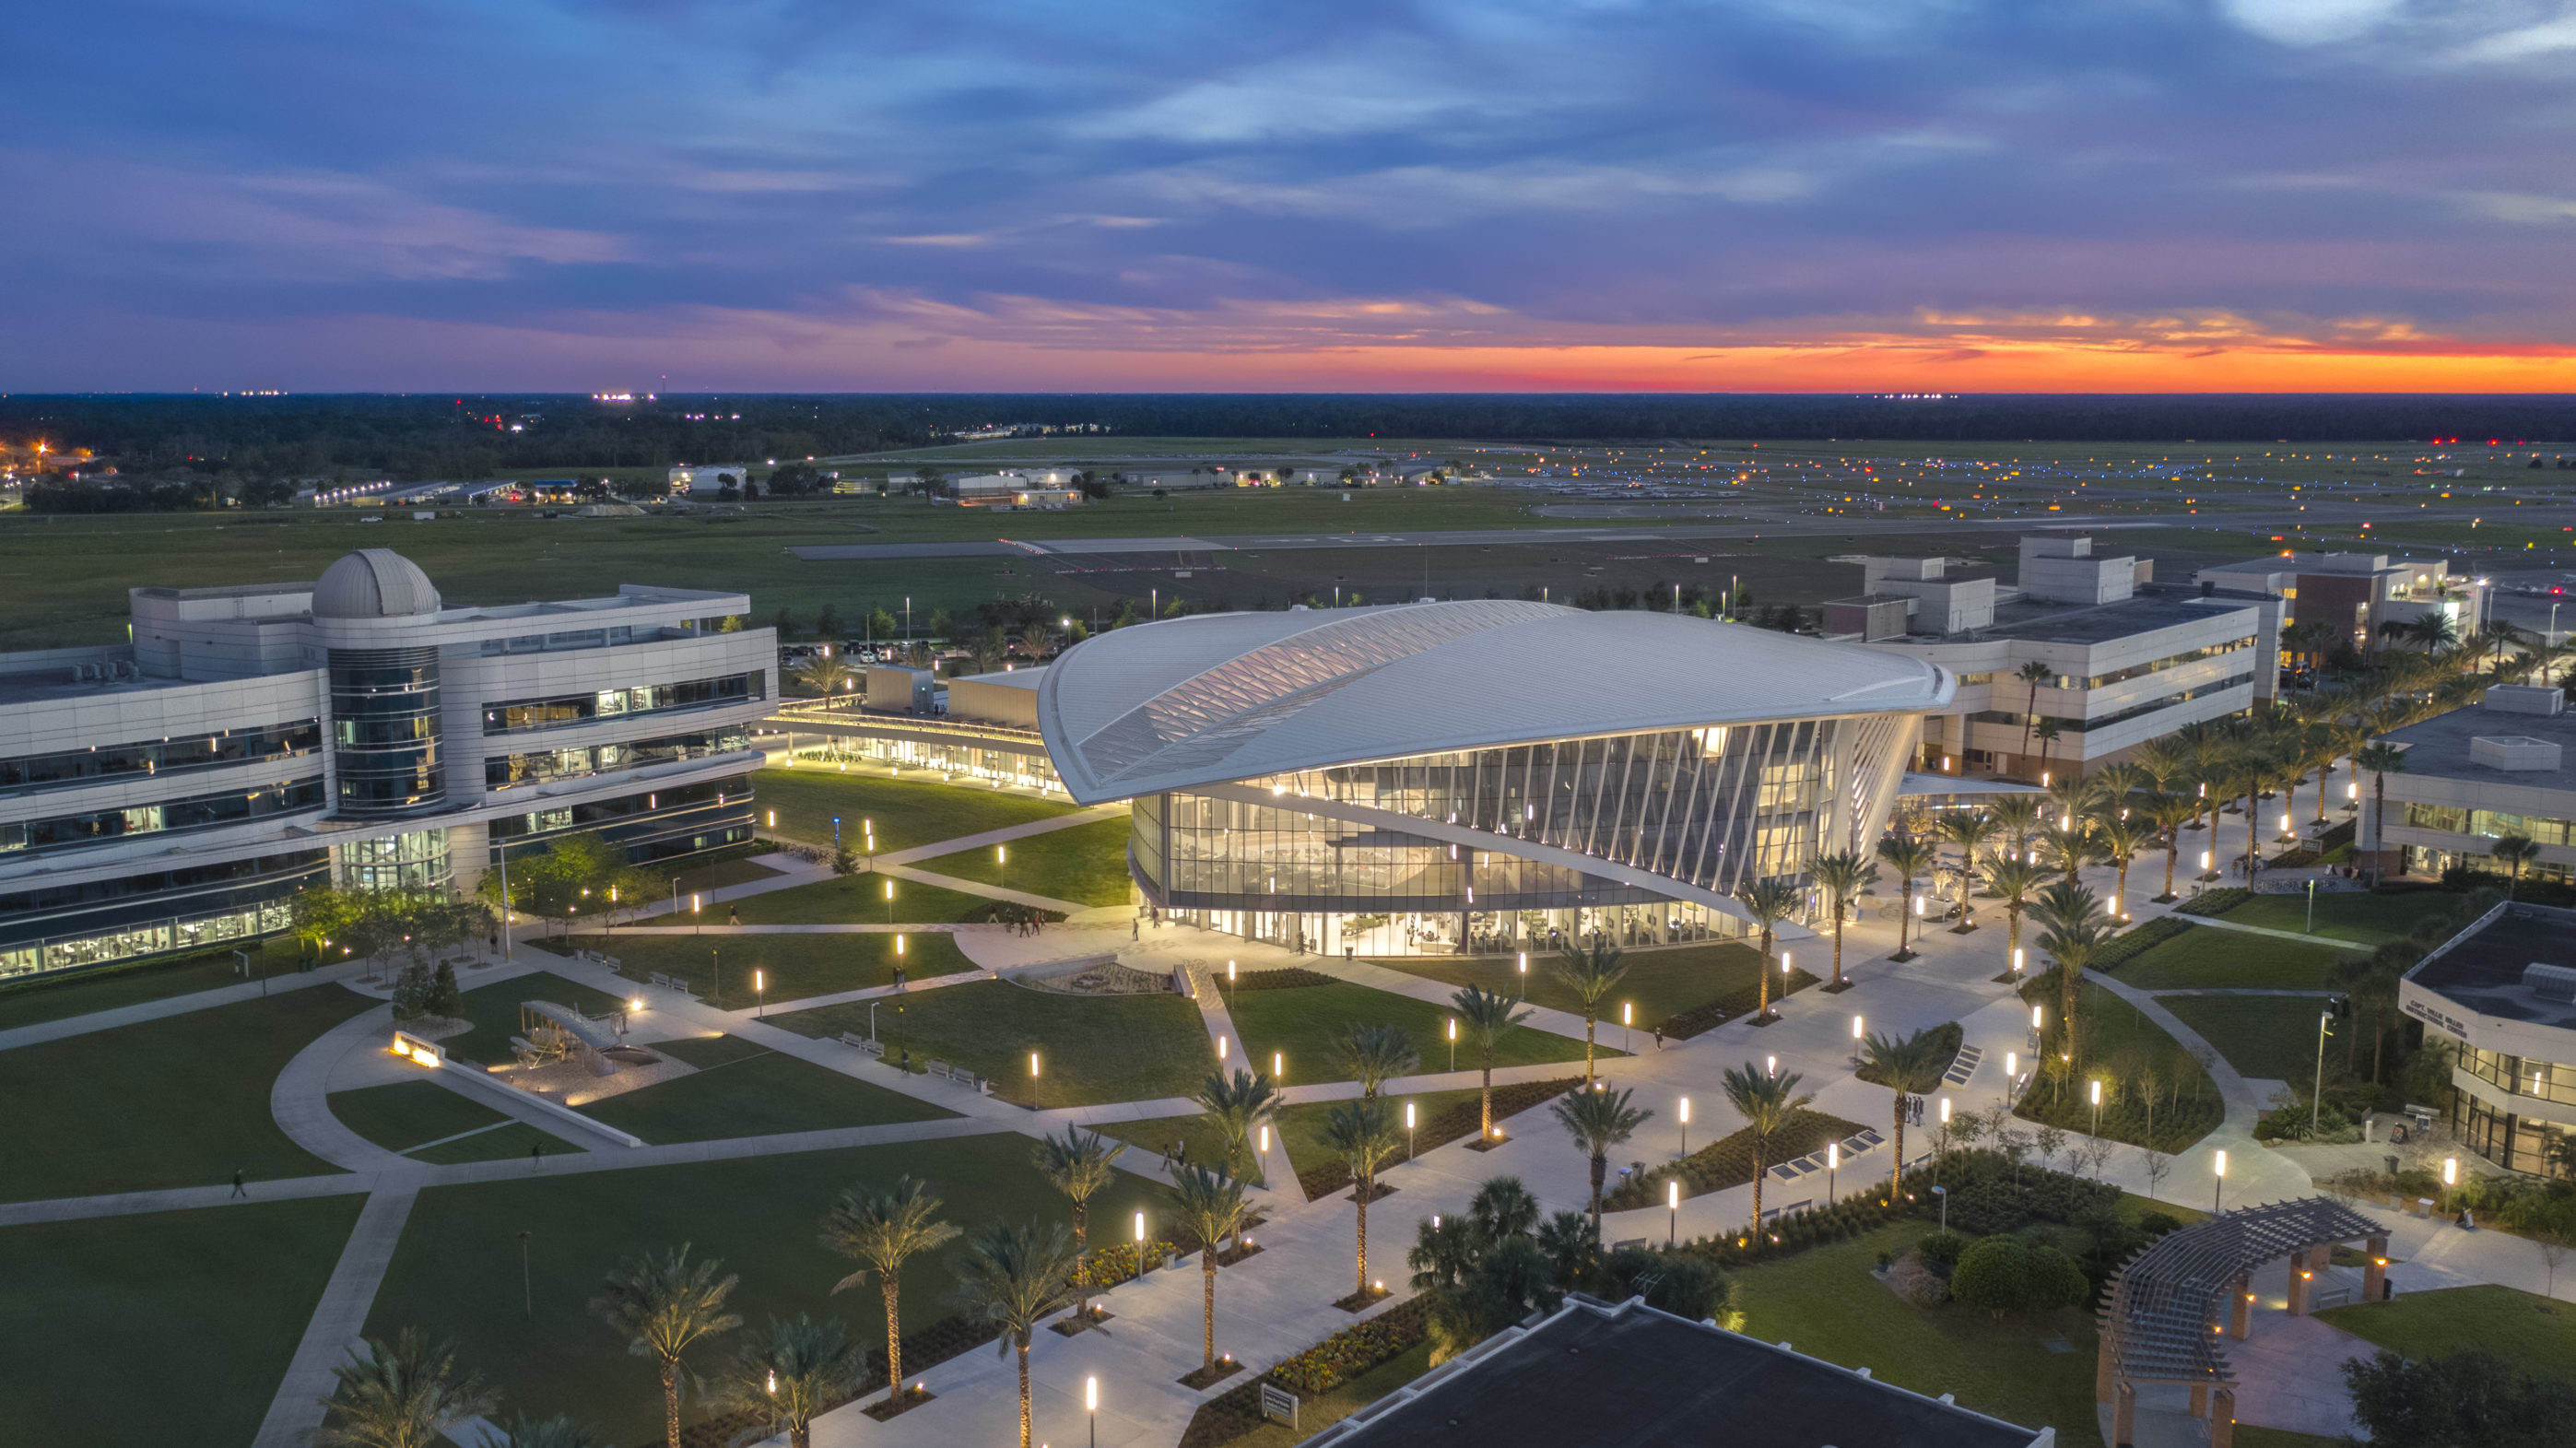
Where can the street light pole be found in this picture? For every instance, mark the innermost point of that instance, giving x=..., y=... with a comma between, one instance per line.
x=527, y=1282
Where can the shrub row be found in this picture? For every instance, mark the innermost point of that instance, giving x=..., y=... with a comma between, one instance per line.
x=2129, y=944
x=1459, y=1119
x=1988, y=1194
x=2215, y=902
x=1237, y=1411
x=1288, y=977
x=1728, y=1161
x=1684, y=1024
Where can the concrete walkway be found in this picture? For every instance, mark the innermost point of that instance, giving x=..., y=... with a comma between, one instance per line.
x=2220, y=923
x=337, y=1320
x=1002, y=836
x=177, y=1005
x=300, y=1097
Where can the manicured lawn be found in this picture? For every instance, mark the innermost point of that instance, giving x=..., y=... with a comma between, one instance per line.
x=1661, y=982
x=29, y=1002
x=1301, y=1127
x=494, y=1010
x=2120, y=1041
x=168, y=1103
x=2523, y=1328
x=2204, y=956
x=407, y=1115
x=907, y=813
x=2368, y=919
x=724, y=873
x=456, y=1272
x=743, y=1089
x=1091, y=1048
x=2263, y=1036
x=215, y=1299
x=792, y=967
x=853, y=900
x=1085, y=864
x=1302, y=1022
x=1827, y=1303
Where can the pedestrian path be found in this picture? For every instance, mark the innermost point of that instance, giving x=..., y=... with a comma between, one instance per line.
x=299, y=1100
x=337, y=1320
x=179, y=1005
x=2221, y=923
x=1002, y=836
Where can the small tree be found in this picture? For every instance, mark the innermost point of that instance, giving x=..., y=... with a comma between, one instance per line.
x=662, y=1305
x=1766, y=1102
x=1842, y=875
x=405, y=1393
x=1374, y=1055
x=1237, y=1105
x=883, y=1230
x=1591, y=973
x=1908, y=857
x=1599, y=1121
x=1012, y=1277
x=793, y=1372
x=1488, y=1017
x=1905, y=1065
x=2514, y=852
x=1078, y=1165
x=2009, y=1273
x=1768, y=902
x=1210, y=1207
x=1362, y=1134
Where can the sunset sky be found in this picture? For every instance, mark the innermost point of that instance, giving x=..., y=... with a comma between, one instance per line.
x=1807, y=195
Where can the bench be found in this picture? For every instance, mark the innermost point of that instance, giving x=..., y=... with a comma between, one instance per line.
x=874, y=1048
x=941, y=1070
x=671, y=982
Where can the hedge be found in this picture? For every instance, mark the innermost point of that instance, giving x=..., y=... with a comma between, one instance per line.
x=2215, y=902
x=2129, y=944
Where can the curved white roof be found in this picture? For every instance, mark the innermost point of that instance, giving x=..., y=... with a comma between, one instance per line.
x=374, y=583
x=1228, y=696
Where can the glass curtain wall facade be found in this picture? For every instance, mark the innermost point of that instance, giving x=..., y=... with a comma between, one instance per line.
x=384, y=721
x=1714, y=808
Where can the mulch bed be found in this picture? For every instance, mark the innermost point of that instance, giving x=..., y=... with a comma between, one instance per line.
x=1363, y=1301
x=1459, y=1119
x=1225, y=1368
x=1076, y=1322
x=902, y=1403
x=1837, y=987
x=1710, y=1014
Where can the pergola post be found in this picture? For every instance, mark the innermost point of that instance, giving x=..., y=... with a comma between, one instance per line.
x=2301, y=1277
x=2374, y=1277
x=2222, y=1418
x=2241, y=1319
x=2104, y=1369
x=2200, y=1400
x=2124, y=1417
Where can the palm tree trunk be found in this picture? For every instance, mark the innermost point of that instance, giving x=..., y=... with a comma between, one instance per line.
x=1761, y=1165
x=1082, y=1253
x=894, y=1337
x=1896, y=1181
x=1838, y=944
x=2173, y=853
x=1904, y=914
x=1485, y=1132
x=2120, y=891
x=671, y=1400
x=1361, y=1197
x=801, y=1436
x=1762, y=978
x=2378, y=829
x=1207, y=1310
x=1601, y=1174
x=1587, y=1048
x=1024, y=1389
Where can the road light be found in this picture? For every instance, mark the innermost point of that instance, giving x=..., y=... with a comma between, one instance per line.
x=1524, y=962
x=2450, y=1179
x=1855, y=1028
x=2097, y=1106
x=1140, y=1244
x=1673, y=1204
x=1944, y=1194
x=1220, y=1047
x=1091, y=1405
x=2218, y=1183
x=1770, y=1065
x=1685, y=1126
x=2016, y=960
x=1453, y=1044
x=1627, y=1021
x=1408, y=1131
x=1278, y=1066
x=759, y=993
x=2038, y=1018
x=1833, y=1164
x=1033, y=1080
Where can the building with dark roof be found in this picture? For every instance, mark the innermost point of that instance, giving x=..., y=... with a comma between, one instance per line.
x=1630, y=1375
x=2504, y=992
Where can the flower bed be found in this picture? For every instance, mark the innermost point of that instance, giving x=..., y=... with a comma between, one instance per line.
x=1459, y=1119
x=1332, y=1362
x=1682, y=1025
x=1292, y=977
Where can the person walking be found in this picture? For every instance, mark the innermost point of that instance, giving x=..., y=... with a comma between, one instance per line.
x=536, y=1156
x=733, y=915
x=238, y=1191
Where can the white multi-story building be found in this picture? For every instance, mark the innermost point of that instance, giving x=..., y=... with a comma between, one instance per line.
x=2474, y=776
x=172, y=793
x=2121, y=661
x=2359, y=595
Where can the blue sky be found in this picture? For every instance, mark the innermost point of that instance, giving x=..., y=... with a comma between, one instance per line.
x=1834, y=194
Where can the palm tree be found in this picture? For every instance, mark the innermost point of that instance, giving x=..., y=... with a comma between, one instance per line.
x=2115, y=843
x=1238, y=1105
x=2074, y=934
x=1599, y=1121
x=1906, y=1065
x=2034, y=674
x=1034, y=640
x=403, y=1394
x=1012, y=1276
x=1909, y=857
x=1373, y=1055
x=882, y=1230
x=2017, y=815
x=2014, y=878
x=794, y=1371
x=1079, y=1165
x=2171, y=812
x=1842, y=875
x=2514, y=851
x=1211, y=1208
x=1591, y=974
x=1969, y=829
x=1362, y=1133
x=2382, y=760
x=1488, y=1017
x=662, y=1305
x=1768, y=902
x=560, y=1431
x=2049, y=732
x=826, y=675
x=1766, y=1102
x=2068, y=849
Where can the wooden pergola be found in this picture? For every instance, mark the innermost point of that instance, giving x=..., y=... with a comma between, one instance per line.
x=2172, y=1304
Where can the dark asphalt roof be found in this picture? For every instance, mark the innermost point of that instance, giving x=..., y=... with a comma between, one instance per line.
x=2482, y=972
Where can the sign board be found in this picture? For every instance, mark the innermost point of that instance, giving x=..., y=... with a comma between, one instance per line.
x=1278, y=1402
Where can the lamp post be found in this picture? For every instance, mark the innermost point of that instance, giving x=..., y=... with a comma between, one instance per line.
x=1673, y=1204
x=759, y=993
x=1002, y=859
x=2450, y=1179
x=1409, y=1138
x=1944, y=1194
x=1278, y=1068
x=1685, y=1114
x=697, y=916
x=1140, y=1244
x=2097, y=1106
x=2316, y=1094
x=1453, y=1045
x=1091, y=1405
x=1033, y=1080
x=715, y=954
x=889, y=899
x=1524, y=962
x=2218, y=1184
x=1833, y=1164
x=1627, y=1021
x=2312, y=907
